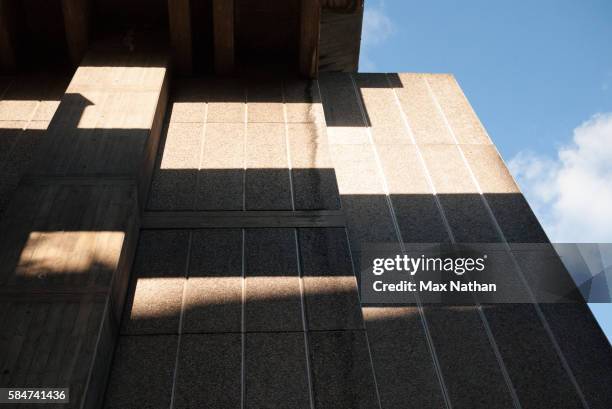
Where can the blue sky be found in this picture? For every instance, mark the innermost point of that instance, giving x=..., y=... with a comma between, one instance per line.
x=539, y=75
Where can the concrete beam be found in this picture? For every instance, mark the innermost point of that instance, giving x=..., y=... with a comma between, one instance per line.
x=76, y=24
x=179, y=14
x=310, y=17
x=223, y=33
x=8, y=61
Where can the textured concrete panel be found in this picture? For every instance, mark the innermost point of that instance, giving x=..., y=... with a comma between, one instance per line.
x=302, y=102
x=273, y=304
x=533, y=365
x=313, y=175
x=175, y=178
x=340, y=103
x=341, y=368
x=209, y=371
x=189, y=99
x=267, y=185
x=422, y=114
x=463, y=121
x=381, y=109
x=216, y=253
x=213, y=304
x=472, y=374
x=447, y=170
x=332, y=303
x=227, y=101
x=162, y=253
x=276, y=374
x=402, y=362
x=490, y=171
x=153, y=306
x=265, y=101
x=142, y=372
x=221, y=178
x=324, y=252
x=270, y=252
x=272, y=288
x=417, y=213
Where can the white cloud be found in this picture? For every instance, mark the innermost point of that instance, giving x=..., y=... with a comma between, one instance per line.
x=572, y=193
x=377, y=28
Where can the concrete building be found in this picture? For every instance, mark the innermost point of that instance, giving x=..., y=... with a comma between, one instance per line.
x=186, y=188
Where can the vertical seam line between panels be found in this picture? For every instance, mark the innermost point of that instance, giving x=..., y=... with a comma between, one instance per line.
x=501, y=234
x=287, y=146
x=243, y=326
x=244, y=148
x=180, y=325
x=353, y=266
x=201, y=159
x=304, y=323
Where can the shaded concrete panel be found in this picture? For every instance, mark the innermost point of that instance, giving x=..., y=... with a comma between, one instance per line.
x=209, y=371
x=340, y=103
x=533, y=365
x=471, y=372
x=458, y=112
x=216, y=253
x=586, y=349
x=516, y=219
x=142, y=373
x=342, y=374
x=402, y=363
x=276, y=375
x=324, y=252
x=162, y=253
x=422, y=114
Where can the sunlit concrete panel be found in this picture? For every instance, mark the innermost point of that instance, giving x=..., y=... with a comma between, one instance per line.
x=457, y=110
x=421, y=112
x=302, y=102
x=176, y=173
x=220, y=182
x=267, y=184
x=381, y=110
